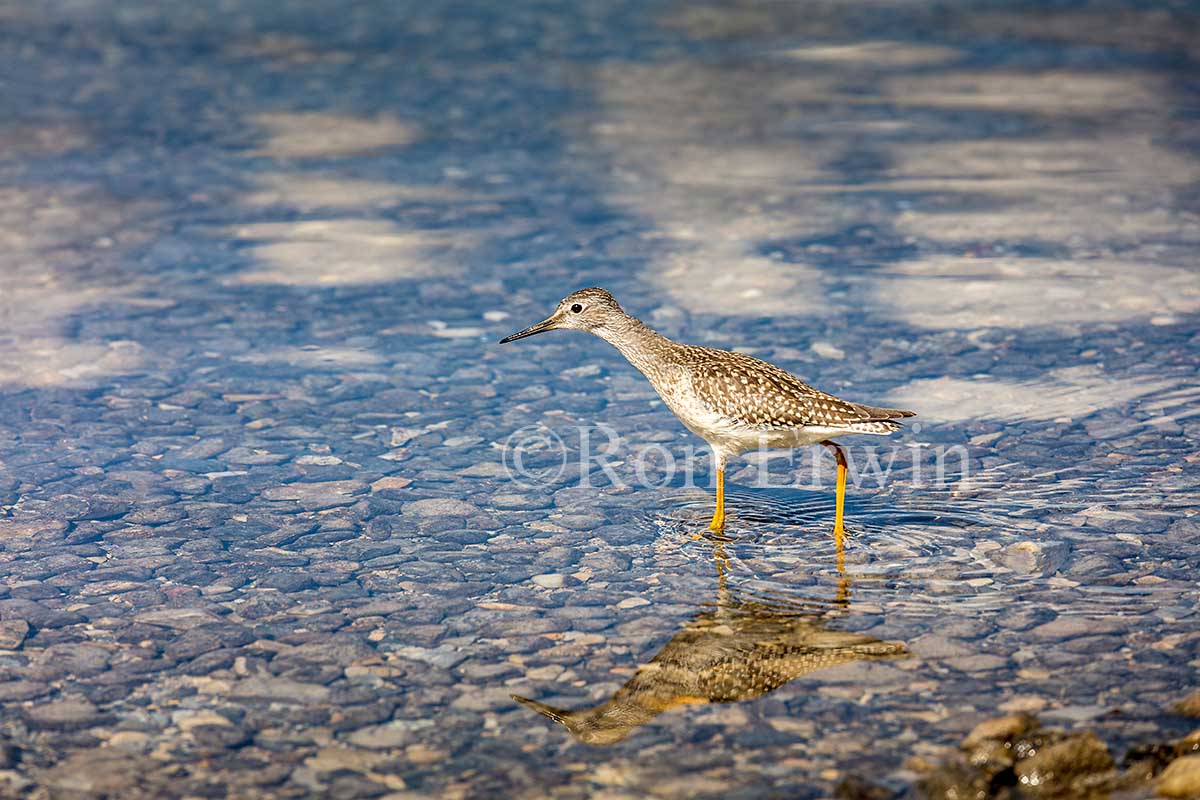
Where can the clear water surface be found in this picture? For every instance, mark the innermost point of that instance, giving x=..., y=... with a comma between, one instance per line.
x=257, y=537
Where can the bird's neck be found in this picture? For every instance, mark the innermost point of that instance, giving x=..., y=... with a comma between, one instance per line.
x=643, y=347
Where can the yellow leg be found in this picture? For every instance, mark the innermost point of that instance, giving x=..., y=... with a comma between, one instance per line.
x=839, y=531
x=718, y=520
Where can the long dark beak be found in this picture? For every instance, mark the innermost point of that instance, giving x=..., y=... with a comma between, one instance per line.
x=556, y=714
x=541, y=327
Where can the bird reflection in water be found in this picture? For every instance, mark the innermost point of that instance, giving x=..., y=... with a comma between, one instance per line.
x=732, y=650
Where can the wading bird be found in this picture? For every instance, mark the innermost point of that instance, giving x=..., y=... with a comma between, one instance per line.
x=733, y=401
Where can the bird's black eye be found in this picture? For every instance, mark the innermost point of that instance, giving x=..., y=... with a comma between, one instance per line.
x=575, y=309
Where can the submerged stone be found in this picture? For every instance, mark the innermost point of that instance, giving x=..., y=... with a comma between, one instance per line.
x=13, y=633
x=1181, y=778
x=1070, y=768
x=1188, y=706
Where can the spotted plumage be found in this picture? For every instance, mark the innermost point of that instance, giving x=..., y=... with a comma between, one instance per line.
x=763, y=396
x=733, y=401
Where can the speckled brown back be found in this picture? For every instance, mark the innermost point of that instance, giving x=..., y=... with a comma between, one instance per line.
x=753, y=392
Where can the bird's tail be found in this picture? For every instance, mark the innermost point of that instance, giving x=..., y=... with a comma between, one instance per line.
x=879, y=420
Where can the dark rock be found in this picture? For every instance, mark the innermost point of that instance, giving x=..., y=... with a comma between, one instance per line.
x=607, y=562
x=154, y=516
x=92, y=508
x=286, y=581
x=69, y=660
x=268, y=537
x=209, y=662
x=955, y=781
x=854, y=788
x=323, y=538
x=38, y=615
x=463, y=536
x=1185, y=530
x=21, y=690
x=349, y=786
x=40, y=591
x=350, y=718
x=207, y=638
x=220, y=737
x=1143, y=762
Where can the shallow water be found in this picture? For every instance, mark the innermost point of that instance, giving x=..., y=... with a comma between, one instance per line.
x=259, y=529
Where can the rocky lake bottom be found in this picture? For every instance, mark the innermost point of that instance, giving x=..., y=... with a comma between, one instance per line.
x=279, y=518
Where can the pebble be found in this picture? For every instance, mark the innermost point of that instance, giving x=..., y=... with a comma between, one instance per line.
x=1067, y=626
x=828, y=350
x=383, y=737
x=1035, y=558
x=133, y=741
x=13, y=633
x=390, y=483
x=318, y=496
x=176, y=618
x=1074, y=714
x=10, y=756
x=22, y=690
x=63, y=715
x=935, y=646
x=440, y=507
x=519, y=501
x=1053, y=771
x=102, y=771
x=189, y=721
x=1030, y=704
x=1188, y=706
x=281, y=690
x=483, y=699
x=69, y=660
x=1000, y=729
x=585, y=371
x=443, y=657
x=1181, y=778
x=549, y=580
x=981, y=662
x=580, y=522
x=256, y=535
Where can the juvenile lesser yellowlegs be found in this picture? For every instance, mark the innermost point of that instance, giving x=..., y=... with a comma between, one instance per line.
x=733, y=401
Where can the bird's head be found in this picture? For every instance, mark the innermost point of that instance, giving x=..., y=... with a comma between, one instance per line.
x=584, y=310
